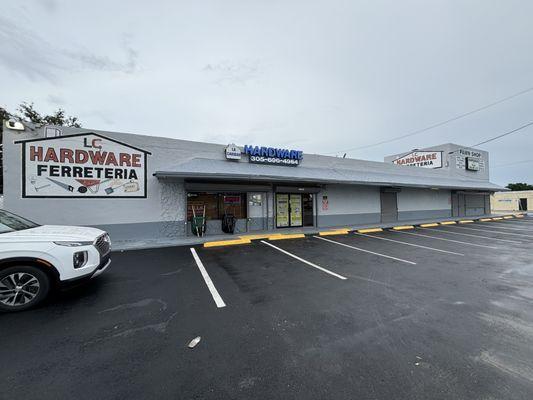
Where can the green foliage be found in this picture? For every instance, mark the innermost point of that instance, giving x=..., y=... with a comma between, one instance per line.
x=519, y=186
x=4, y=115
x=27, y=112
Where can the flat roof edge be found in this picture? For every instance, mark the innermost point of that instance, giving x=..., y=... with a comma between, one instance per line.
x=196, y=175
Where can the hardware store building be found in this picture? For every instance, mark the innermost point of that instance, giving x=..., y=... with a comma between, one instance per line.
x=147, y=187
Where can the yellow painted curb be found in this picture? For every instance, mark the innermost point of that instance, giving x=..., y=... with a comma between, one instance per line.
x=508, y=217
x=227, y=242
x=448, y=223
x=429, y=225
x=369, y=230
x=519, y=216
x=497, y=218
x=403, y=227
x=466, y=221
x=485, y=219
x=253, y=237
x=337, y=232
x=287, y=236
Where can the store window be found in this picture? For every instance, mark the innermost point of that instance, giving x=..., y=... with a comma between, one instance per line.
x=216, y=205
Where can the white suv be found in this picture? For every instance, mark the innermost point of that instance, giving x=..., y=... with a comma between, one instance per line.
x=34, y=259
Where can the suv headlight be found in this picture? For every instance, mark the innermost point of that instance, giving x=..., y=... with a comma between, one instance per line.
x=73, y=244
x=79, y=259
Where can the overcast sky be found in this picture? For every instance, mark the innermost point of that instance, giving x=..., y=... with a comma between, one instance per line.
x=320, y=76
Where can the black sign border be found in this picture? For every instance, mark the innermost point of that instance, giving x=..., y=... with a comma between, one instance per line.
x=23, y=175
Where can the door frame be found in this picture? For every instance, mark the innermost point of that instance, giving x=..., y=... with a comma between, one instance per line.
x=289, y=207
x=381, y=194
x=264, y=207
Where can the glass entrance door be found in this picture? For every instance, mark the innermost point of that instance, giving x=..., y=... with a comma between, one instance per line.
x=307, y=207
x=295, y=206
x=282, y=210
x=289, y=210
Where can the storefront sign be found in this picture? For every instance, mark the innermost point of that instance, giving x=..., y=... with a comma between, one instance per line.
x=233, y=152
x=470, y=160
x=325, y=203
x=423, y=159
x=232, y=199
x=472, y=164
x=271, y=155
x=82, y=165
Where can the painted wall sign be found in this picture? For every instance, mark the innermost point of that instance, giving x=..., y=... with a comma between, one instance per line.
x=233, y=152
x=271, y=155
x=472, y=164
x=470, y=160
x=325, y=203
x=82, y=165
x=423, y=159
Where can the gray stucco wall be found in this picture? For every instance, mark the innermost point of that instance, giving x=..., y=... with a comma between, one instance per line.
x=349, y=205
x=423, y=204
x=453, y=161
x=163, y=213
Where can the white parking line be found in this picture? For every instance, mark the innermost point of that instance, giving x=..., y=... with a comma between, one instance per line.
x=364, y=251
x=409, y=244
x=441, y=238
x=495, y=230
x=214, y=292
x=516, y=227
x=515, y=222
x=469, y=234
x=327, y=271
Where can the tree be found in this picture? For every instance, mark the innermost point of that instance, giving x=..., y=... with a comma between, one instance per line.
x=4, y=116
x=519, y=186
x=27, y=112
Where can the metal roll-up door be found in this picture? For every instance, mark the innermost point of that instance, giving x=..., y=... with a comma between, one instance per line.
x=474, y=204
x=389, y=207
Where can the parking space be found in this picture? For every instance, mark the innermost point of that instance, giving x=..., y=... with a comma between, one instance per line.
x=441, y=312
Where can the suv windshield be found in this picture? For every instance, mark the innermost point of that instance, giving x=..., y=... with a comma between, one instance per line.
x=11, y=222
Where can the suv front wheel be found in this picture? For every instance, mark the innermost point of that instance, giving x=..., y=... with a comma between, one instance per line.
x=22, y=287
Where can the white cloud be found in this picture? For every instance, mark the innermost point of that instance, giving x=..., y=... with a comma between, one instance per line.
x=323, y=75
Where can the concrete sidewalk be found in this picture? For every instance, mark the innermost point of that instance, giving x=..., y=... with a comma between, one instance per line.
x=193, y=240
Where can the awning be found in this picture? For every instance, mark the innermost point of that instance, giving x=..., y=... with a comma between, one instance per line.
x=221, y=170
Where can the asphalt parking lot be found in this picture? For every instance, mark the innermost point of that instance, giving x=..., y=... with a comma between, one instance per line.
x=429, y=313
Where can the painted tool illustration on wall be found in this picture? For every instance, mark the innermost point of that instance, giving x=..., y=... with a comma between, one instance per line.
x=82, y=165
x=129, y=187
x=91, y=185
x=34, y=182
x=62, y=185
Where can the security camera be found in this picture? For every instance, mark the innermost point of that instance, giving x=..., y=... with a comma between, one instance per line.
x=15, y=125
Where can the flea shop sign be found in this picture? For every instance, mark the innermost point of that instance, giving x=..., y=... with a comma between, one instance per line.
x=424, y=159
x=272, y=155
x=83, y=165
